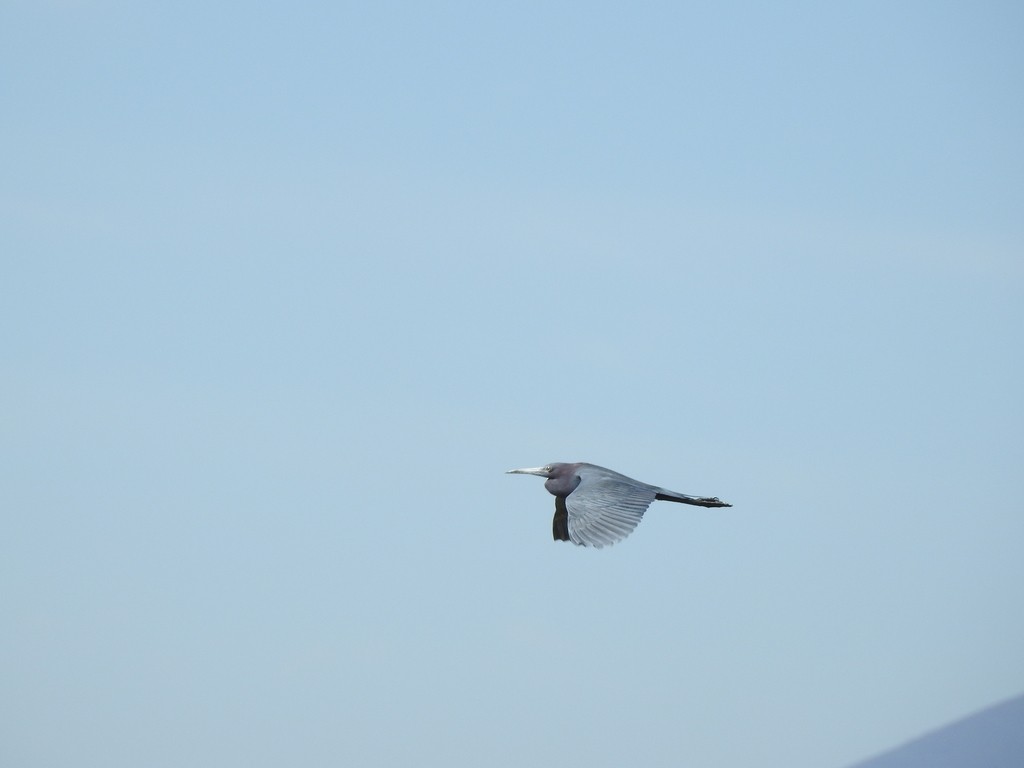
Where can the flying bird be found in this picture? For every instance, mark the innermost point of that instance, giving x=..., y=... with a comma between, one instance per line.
x=596, y=507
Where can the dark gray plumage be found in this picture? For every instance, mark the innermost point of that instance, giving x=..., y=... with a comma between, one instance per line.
x=596, y=507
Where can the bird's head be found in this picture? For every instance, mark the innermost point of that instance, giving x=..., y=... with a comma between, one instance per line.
x=562, y=478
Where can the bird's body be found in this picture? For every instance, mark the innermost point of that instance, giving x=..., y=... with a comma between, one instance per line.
x=596, y=507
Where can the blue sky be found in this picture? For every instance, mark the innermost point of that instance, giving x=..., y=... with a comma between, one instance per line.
x=287, y=287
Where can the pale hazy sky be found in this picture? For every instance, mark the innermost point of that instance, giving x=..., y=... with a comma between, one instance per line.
x=286, y=287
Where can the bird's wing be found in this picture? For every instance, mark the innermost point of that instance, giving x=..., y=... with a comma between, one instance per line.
x=605, y=509
x=560, y=525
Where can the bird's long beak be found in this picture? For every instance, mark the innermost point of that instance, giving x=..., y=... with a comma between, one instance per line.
x=528, y=471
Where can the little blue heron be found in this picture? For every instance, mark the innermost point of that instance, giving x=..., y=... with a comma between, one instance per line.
x=595, y=507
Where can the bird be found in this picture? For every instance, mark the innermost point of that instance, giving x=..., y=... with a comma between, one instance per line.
x=596, y=507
